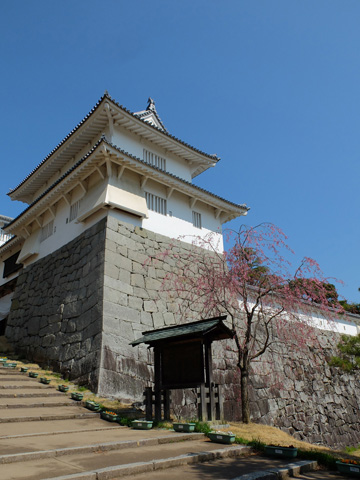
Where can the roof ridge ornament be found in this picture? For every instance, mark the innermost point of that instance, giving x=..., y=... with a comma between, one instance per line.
x=151, y=105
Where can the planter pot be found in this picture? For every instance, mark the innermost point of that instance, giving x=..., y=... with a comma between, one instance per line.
x=63, y=388
x=348, y=468
x=184, y=427
x=9, y=365
x=93, y=406
x=110, y=417
x=24, y=369
x=221, y=438
x=44, y=380
x=142, y=424
x=288, y=452
x=33, y=374
x=77, y=396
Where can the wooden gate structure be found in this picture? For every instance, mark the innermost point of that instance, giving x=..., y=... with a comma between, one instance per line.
x=183, y=359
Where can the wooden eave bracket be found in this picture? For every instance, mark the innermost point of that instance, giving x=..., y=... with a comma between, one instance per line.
x=83, y=186
x=100, y=173
x=26, y=231
x=52, y=211
x=218, y=212
x=67, y=198
x=110, y=119
x=121, y=170
x=143, y=181
x=192, y=202
x=169, y=192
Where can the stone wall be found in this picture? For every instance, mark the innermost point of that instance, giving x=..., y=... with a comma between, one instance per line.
x=56, y=314
x=79, y=308
x=131, y=306
x=298, y=392
x=292, y=389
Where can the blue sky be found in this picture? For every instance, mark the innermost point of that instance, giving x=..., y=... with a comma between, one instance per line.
x=271, y=86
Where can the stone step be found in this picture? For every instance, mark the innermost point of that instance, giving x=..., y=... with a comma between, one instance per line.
x=31, y=393
x=247, y=467
x=34, y=403
x=17, y=378
x=46, y=413
x=24, y=386
x=5, y=372
x=41, y=428
x=46, y=446
x=100, y=465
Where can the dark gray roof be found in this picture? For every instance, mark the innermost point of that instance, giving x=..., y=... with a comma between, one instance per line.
x=106, y=96
x=151, y=110
x=93, y=149
x=212, y=326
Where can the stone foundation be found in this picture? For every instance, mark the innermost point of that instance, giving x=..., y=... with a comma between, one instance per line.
x=56, y=313
x=79, y=308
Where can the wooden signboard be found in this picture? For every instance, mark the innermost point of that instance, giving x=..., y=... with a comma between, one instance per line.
x=182, y=365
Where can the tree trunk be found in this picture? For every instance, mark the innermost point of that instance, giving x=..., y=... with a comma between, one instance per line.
x=245, y=407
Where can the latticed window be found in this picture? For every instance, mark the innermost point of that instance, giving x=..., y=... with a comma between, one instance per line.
x=4, y=237
x=74, y=210
x=47, y=231
x=155, y=160
x=155, y=203
x=196, y=218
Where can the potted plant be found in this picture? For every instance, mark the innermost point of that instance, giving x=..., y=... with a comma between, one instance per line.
x=187, y=427
x=109, y=416
x=93, y=406
x=45, y=380
x=351, y=467
x=222, y=437
x=63, y=388
x=142, y=424
x=33, y=374
x=77, y=396
x=276, y=450
x=24, y=369
x=9, y=365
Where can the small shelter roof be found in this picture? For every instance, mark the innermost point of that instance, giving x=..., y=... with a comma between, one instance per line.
x=211, y=329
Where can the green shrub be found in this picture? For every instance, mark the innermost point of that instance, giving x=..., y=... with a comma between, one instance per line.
x=325, y=459
x=202, y=427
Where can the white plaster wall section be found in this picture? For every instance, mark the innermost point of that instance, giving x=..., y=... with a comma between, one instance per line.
x=135, y=145
x=178, y=221
x=125, y=217
x=64, y=231
x=333, y=322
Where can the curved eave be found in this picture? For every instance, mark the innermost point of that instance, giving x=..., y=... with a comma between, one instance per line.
x=10, y=244
x=87, y=164
x=94, y=124
x=232, y=210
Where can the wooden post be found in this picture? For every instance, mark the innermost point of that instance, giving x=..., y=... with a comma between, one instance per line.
x=209, y=379
x=157, y=360
x=203, y=405
x=167, y=401
x=220, y=401
x=148, y=403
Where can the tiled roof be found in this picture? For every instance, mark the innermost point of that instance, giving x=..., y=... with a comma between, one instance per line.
x=151, y=110
x=106, y=96
x=201, y=328
x=123, y=152
x=174, y=176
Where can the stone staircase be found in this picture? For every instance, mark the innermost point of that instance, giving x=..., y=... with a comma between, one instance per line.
x=46, y=435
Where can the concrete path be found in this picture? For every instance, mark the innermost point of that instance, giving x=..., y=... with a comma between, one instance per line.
x=44, y=435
